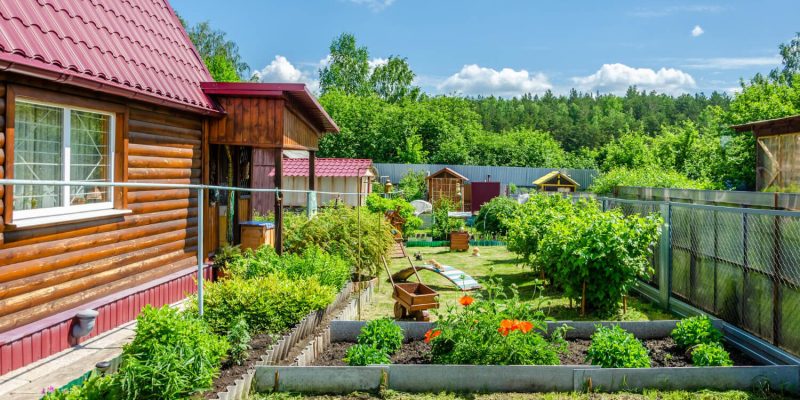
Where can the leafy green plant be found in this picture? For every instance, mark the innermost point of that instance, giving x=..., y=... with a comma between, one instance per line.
x=239, y=340
x=95, y=387
x=495, y=216
x=443, y=224
x=379, y=204
x=614, y=347
x=710, y=355
x=605, y=251
x=271, y=303
x=173, y=356
x=225, y=255
x=362, y=354
x=338, y=230
x=531, y=221
x=383, y=334
x=496, y=329
x=695, y=330
x=650, y=176
x=330, y=270
x=413, y=185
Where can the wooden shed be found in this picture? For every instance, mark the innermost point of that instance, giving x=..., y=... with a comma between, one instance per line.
x=447, y=184
x=556, y=181
x=341, y=175
x=777, y=152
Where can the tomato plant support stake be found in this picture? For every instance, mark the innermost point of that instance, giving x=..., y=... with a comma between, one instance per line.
x=583, y=300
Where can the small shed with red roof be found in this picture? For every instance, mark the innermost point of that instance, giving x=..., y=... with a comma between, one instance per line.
x=341, y=175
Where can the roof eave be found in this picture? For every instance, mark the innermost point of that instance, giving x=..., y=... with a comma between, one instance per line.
x=790, y=123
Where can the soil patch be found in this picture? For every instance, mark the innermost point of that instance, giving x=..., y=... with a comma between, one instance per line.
x=416, y=352
x=663, y=353
x=229, y=373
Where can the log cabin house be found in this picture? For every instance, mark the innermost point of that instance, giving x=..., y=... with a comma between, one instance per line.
x=115, y=91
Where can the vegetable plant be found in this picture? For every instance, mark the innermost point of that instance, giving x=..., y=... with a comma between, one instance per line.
x=239, y=340
x=363, y=354
x=172, y=356
x=710, y=355
x=695, y=330
x=383, y=334
x=614, y=347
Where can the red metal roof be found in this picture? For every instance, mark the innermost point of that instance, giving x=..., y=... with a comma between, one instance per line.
x=134, y=48
x=345, y=167
x=295, y=91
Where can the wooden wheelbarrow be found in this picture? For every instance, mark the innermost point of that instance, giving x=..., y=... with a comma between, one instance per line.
x=412, y=300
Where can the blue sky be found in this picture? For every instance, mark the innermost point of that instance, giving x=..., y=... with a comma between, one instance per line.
x=512, y=47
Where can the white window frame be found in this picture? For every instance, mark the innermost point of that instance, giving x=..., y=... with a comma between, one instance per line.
x=66, y=208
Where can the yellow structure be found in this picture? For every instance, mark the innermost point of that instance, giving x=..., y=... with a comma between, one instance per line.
x=556, y=181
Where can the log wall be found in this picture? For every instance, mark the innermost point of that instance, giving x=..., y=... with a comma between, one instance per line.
x=49, y=269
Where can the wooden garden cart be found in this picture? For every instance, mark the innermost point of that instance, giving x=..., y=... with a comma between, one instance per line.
x=412, y=299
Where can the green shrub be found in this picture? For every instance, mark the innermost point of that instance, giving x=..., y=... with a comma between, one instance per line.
x=330, y=270
x=239, y=340
x=606, y=251
x=96, y=387
x=531, y=221
x=362, y=354
x=382, y=334
x=710, y=355
x=443, y=224
x=496, y=216
x=614, y=347
x=173, y=356
x=413, y=185
x=338, y=231
x=650, y=176
x=495, y=331
x=695, y=330
x=271, y=303
x=378, y=204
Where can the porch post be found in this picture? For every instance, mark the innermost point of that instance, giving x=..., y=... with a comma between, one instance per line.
x=278, y=201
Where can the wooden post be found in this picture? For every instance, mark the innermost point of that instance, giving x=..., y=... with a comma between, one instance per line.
x=583, y=300
x=278, y=201
x=624, y=304
x=312, y=170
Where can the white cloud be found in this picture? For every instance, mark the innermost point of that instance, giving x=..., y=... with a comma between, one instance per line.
x=666, y=11
x=281, y=70
x=616, y=78
x=697, y=31
x=374, y=5
x=477, y=80
x=377, y=62
x=732, y=62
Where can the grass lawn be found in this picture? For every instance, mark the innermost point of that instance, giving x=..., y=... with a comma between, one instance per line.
x=648, y=395
x=503, y=265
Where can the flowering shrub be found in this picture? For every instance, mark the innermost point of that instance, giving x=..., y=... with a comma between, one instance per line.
x=614, y=347
x=498, y=330
x=695, y=330
x=382, y=334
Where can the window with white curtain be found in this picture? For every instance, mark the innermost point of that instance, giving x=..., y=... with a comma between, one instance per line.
x=57, y=143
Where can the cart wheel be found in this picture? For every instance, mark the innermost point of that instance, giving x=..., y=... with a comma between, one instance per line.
x=421, y=316
x=399, y=311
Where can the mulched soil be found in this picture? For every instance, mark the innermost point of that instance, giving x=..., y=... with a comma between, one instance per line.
x=663, y=353
x=228, y=375
x=417, y=352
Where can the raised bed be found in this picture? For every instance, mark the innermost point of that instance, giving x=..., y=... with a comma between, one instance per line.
x=492, y=378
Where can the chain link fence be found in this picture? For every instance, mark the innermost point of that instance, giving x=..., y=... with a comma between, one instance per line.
x=739, y=264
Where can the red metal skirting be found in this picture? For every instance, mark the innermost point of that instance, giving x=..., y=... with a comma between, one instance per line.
x=42, y=339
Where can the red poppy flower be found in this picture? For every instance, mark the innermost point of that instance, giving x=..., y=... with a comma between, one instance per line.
x=429, y=335
x=466, y=300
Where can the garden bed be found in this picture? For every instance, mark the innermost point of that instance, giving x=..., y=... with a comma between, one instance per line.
x=663, y=353
x=411, y=370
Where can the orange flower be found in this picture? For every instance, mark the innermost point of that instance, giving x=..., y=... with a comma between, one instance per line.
x=507, y=326
x=525, y=326
x=429, y=335
x=466, y=300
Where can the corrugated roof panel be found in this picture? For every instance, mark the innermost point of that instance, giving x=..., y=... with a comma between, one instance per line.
x=335, y=167
x=137, y=45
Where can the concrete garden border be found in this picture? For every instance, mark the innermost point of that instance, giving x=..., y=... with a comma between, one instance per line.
x=280, y=349
x=495, y=378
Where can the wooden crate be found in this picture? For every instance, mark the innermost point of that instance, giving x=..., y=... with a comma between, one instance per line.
x=459, y=241
x=257, y=234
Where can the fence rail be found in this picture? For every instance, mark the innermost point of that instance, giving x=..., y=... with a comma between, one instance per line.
x=519, y=176
x=739, y=264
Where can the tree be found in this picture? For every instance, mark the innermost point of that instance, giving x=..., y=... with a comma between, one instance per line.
x=790, y=54
x=220, y=55
x=392, y=80
x=348, y=69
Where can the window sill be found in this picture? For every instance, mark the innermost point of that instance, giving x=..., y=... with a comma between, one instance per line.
x=65, y=218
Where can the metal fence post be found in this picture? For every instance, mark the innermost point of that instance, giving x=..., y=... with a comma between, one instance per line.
x=664, y=255
x=200, y=258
